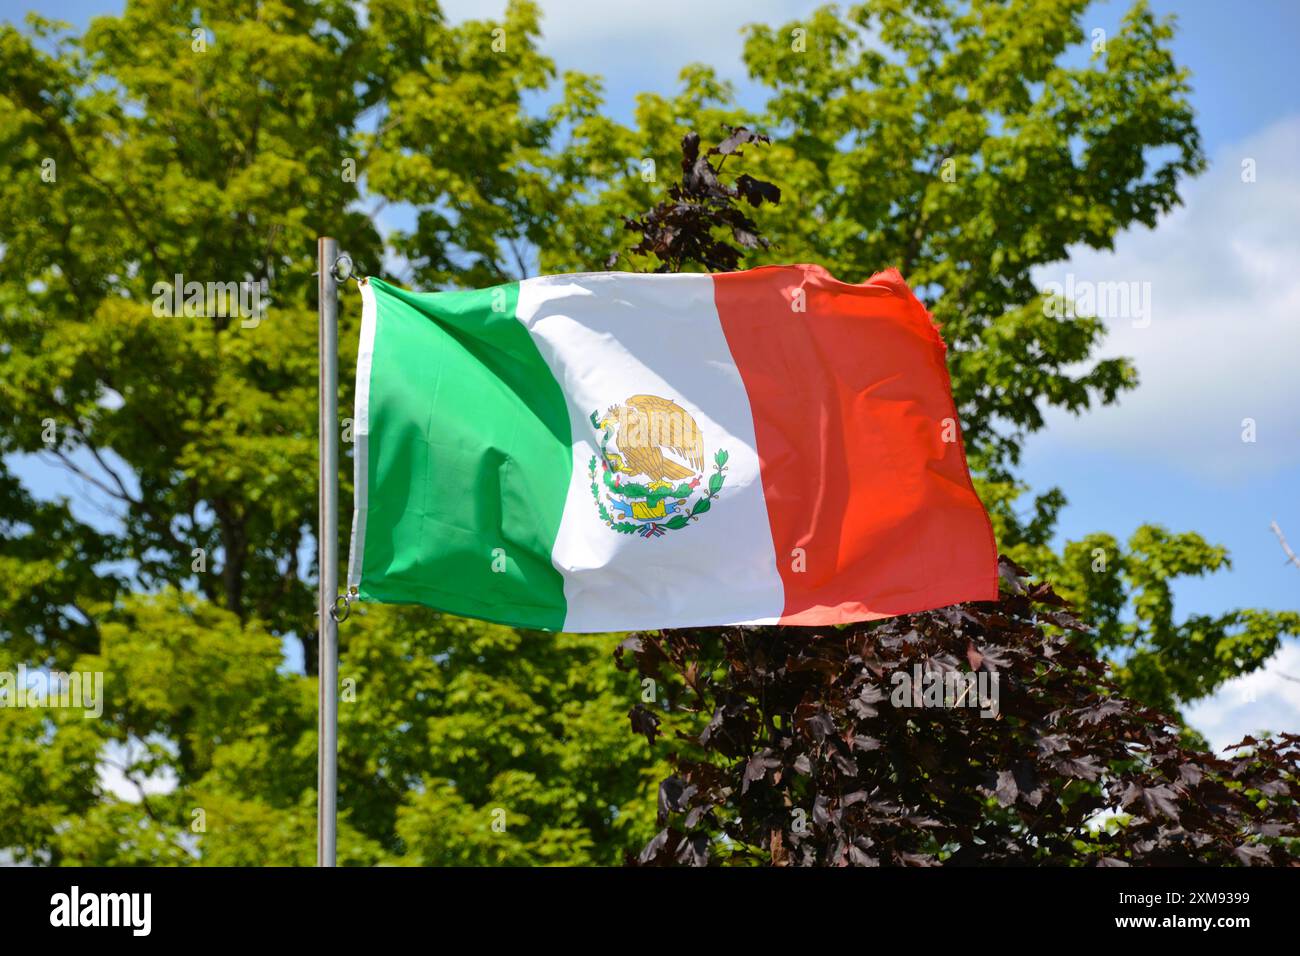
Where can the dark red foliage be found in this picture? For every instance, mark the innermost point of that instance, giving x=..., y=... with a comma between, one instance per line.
x=681, y=228
x=790, y=751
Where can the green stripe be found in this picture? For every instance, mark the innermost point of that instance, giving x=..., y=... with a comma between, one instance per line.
x=470, y=452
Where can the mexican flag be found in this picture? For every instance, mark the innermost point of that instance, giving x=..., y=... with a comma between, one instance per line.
x=615, y=451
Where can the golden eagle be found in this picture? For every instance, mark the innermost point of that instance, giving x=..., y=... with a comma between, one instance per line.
x=649, y=425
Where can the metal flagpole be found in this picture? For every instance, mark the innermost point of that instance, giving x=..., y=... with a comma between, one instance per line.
x=328, y=543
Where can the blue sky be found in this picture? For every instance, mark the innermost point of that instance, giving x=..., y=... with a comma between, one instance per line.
x=1224, y=336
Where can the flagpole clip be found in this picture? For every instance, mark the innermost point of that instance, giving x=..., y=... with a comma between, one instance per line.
x=341, y=616
x=342, y=268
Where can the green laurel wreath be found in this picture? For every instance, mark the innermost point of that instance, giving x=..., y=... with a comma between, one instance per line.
x=677, y=522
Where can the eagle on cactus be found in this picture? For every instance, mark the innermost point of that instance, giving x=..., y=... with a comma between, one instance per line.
x=645, y=427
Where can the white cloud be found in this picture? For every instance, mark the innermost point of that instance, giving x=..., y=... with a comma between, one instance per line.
x=1223, y=342
x=645, y=42
x=1268, y=699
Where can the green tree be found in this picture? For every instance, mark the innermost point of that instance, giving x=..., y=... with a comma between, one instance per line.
x=217, y=140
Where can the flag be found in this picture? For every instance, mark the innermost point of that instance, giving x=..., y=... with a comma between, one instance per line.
x=616, y=451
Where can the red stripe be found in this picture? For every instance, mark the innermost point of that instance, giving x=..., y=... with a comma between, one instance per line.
x=850, y=399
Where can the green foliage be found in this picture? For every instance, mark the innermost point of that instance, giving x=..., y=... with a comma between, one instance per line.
x=443, y=723
x=456, y=719
x=1129, y=593
x=197, y=432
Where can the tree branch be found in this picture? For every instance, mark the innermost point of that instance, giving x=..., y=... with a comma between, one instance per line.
x=81, y=473
x=1290, y=555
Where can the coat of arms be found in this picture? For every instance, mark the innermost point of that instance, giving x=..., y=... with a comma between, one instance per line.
x=649, y=477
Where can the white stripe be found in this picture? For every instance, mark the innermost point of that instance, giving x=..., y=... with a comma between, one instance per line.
x=606, y=338
x=361, y=436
